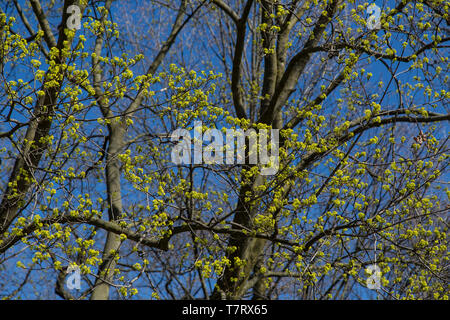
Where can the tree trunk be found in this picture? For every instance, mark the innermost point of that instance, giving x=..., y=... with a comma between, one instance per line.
x=113, y=242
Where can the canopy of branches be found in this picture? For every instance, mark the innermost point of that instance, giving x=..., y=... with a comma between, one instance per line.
x=91, y=92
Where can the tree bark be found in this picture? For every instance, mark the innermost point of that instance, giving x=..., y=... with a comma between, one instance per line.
x=113, y=241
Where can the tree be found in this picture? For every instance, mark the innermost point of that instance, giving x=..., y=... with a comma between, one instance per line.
x=359, y=98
